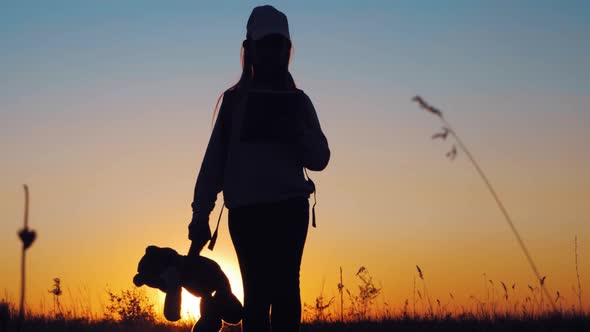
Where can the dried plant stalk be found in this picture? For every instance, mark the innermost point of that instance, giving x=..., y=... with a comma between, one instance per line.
x=27, y=237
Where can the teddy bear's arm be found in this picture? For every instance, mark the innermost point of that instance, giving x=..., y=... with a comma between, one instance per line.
x=172, y=304
x=173, y=298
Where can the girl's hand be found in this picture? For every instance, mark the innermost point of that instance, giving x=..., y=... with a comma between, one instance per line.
x=199, y=233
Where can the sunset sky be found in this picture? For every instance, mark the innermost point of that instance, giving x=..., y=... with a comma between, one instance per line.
x=105, y=112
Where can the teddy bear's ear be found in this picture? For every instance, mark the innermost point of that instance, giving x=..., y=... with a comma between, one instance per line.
x=138, y=280
x=151, y=249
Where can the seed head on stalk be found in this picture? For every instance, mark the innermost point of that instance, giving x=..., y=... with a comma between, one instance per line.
x=26, y=235
x=448, y=129
x=420, y=272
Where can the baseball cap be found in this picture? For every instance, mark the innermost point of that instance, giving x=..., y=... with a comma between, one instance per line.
x=265, y=20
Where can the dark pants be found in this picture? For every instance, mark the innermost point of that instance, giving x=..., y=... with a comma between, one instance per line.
x=269, y=240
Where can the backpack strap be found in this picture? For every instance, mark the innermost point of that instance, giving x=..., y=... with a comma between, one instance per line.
x=314, y=198
x=214, y=237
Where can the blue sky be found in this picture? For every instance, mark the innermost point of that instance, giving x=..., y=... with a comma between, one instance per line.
x=430, y=45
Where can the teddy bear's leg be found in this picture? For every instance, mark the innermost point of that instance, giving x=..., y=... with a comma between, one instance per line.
x=229, y=307
x=205, y=324
x=210, y=320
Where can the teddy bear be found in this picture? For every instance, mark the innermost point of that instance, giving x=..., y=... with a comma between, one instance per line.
x=165, y=269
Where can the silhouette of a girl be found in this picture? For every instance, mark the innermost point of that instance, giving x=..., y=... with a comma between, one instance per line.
x=265, y=135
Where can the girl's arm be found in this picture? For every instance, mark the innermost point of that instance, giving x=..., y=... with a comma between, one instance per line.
x=209, y=181
x=315, y=152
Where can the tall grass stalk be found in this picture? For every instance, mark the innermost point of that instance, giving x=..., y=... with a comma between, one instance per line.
x=426, y=295
x=414, y=298
x=340, y=290
x=448, y=129
x=579, y=292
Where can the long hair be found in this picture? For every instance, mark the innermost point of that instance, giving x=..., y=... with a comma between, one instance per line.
x=247, y=58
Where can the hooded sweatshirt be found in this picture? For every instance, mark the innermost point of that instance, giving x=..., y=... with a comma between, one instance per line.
x=260, y=145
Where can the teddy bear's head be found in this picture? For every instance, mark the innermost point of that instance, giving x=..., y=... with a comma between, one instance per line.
x=153, y=265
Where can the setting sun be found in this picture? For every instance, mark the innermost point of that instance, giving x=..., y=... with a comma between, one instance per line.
x=190, y=306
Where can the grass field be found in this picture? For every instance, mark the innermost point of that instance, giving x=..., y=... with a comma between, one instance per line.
x=543, y=324
x=144, y=318
x=354, y=311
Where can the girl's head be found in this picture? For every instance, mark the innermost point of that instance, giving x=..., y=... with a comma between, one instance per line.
x=266, y=51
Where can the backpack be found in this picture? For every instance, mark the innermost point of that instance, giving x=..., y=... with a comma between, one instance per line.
x=308, y=179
